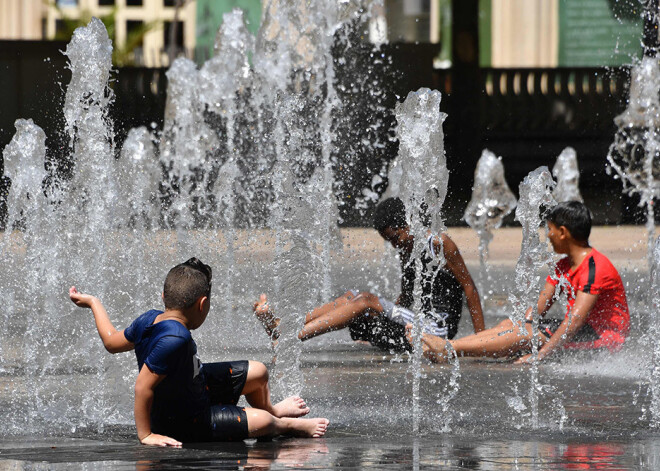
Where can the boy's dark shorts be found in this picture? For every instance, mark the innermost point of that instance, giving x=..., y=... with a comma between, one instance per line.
x=225, y=380
x=549, y=326
x=380, y=332
x=222, y=421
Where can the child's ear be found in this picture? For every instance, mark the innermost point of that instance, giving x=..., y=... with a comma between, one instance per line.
x=564, y=232
x=201, y=302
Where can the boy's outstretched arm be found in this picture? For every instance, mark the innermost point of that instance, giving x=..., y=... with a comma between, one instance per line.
x=145, y=384
x=114, y=341
x=573, y=322
x=456, y=265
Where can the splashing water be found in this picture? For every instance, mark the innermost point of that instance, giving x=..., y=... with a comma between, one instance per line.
x=423, y=190
x=491, y=201
x=535, y=193
x=567, y=175
x=654, y=335
x=24, y=160
x=635, y=153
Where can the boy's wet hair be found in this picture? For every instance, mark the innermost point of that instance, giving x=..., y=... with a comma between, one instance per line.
x=390, y=213
x=573, y=215
x=186, y=283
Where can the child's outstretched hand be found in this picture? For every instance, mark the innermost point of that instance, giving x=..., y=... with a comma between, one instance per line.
x=80, y=299
x=154, y=439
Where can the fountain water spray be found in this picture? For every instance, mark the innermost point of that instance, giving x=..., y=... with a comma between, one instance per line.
x=423, y=190
x=535, y=193
x=294, y=68
x=138, y=204
x=491, y=201
x=89, y=201
x=635, y=153
x=654, y=332
x=185, y=144
x=223, y=80
x=567, y=175
x=24, y=159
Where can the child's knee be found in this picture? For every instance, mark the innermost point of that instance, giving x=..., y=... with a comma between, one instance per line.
x=257, y=372
x=350, y=294
x=369, y=299
x=260, y=422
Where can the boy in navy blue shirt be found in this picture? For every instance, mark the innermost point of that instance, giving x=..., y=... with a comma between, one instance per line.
x=177, y=398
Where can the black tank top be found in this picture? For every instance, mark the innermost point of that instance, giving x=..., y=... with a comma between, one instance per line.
x=442, y=294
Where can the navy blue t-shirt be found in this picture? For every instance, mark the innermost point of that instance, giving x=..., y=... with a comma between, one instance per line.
x=167, y=348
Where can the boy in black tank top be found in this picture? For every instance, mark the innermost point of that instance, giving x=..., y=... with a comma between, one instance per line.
x=382, y=322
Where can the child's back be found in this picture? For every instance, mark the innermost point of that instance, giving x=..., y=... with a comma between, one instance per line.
x=167, y=348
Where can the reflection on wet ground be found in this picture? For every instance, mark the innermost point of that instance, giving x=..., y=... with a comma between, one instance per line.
x=588, y=421
x=337, y=452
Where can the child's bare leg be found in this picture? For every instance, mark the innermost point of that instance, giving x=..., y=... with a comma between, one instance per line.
x=261, y=423
x=503, y=340
x=270, y=321
x=257, y=393
x=327, y=307
x=342, y=316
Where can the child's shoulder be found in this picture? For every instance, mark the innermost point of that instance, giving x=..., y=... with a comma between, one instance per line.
x=147, y=318
x=134, y=331
x=603, y=261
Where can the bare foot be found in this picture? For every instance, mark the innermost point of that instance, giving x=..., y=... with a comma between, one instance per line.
x=293, y=406
x=311, y=428
x=267, y=317
x=433, y=347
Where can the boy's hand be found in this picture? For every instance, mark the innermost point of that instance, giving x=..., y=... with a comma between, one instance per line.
x=80, y=299
x=525, y=360
x=154, y=439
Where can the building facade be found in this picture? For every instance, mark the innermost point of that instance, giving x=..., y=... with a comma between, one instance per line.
x=170, y=30
x=527, y=33
x=559, y=33
x=22, y=19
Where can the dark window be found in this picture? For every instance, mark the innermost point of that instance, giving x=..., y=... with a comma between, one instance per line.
x=133, y=3
x=178, y=40
x=60, y=28
x=104, y=3
x=169, y=3
x=44, y=26
x=133, y=27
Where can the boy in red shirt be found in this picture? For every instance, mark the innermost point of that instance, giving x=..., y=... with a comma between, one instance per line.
x=597, y=315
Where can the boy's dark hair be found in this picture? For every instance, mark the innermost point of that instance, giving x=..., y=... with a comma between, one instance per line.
x=390, y=213
x=186, y=283
x=573, y=215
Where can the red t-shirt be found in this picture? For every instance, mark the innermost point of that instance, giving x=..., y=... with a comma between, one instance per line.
x=609, y=317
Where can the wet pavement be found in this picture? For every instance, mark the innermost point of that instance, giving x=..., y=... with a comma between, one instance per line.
x=336, y=453
x=593, y=414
